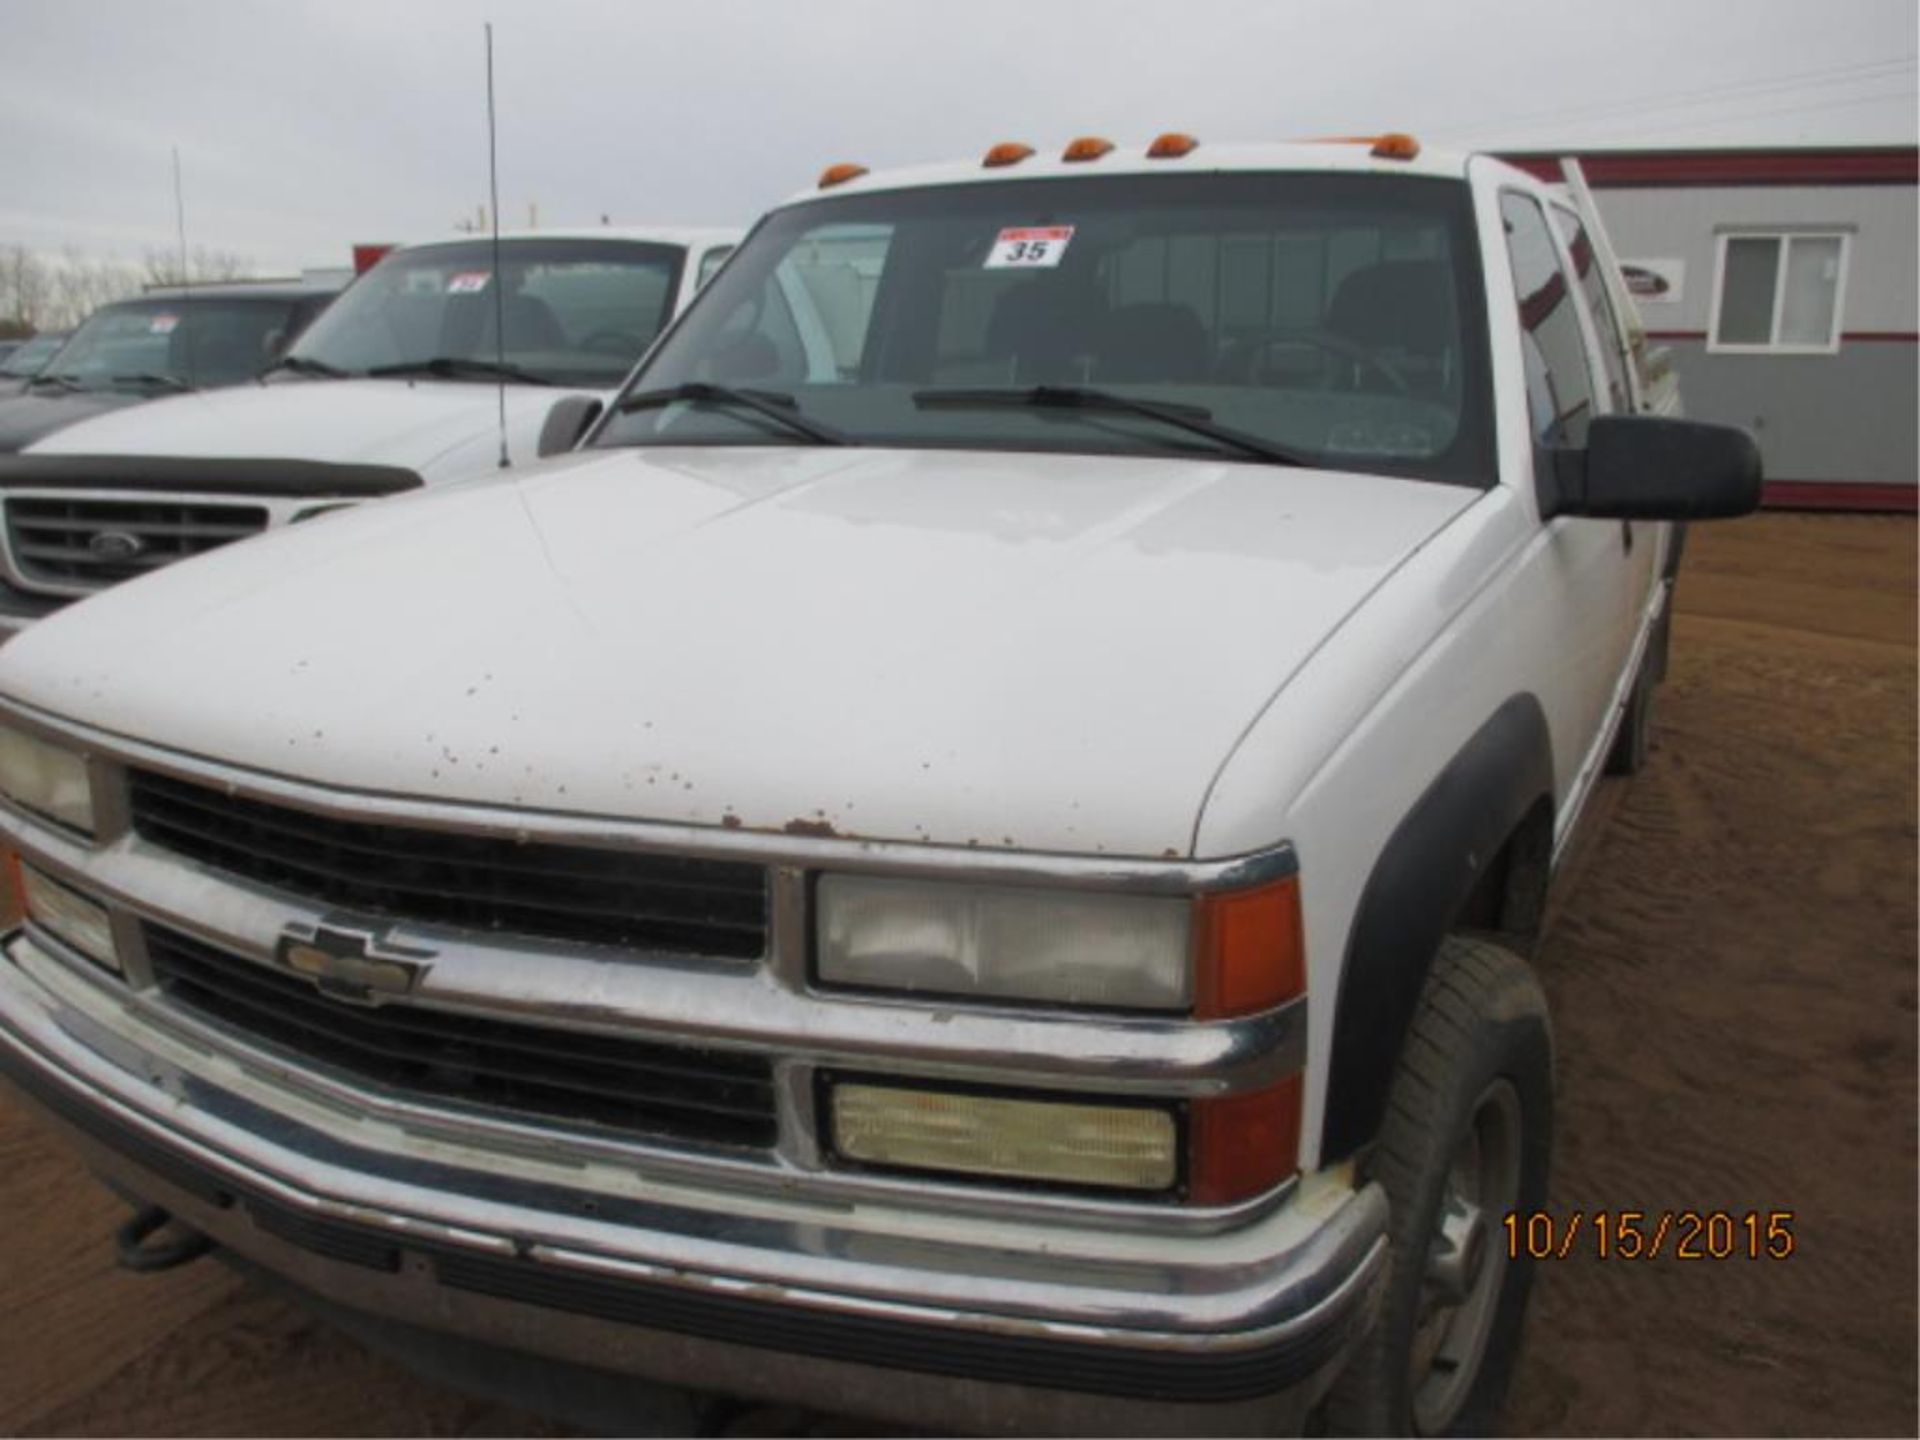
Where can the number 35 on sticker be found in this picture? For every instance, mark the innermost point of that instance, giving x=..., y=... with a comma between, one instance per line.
x=1038, y=246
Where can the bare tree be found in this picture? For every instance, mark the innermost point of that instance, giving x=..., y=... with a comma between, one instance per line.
x=204, y=266
x=81, y=284
x=25, y=289
x=42, y=291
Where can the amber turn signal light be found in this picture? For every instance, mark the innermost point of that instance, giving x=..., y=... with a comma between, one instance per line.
x=1171, y=146
x=1087, y=147
x=1007, y=152
x=840, y=174
x=1240, y=1146
x=13, y=901
x=1249, y=953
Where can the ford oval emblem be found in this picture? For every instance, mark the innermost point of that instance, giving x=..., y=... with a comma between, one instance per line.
x=116, y=545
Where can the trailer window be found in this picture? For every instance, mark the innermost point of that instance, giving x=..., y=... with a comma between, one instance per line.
x=1779, y=292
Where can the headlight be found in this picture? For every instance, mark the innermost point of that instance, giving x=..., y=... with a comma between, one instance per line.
x=69, y=916
x=1008, y=942
x=45, y=778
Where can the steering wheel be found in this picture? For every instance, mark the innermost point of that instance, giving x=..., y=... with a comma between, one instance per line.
x=1332, y=349
x=623, y=343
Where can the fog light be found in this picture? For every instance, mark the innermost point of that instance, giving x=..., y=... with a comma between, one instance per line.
x=1130, y=1147
x=69, y=916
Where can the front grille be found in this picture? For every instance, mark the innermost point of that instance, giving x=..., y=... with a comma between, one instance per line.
x=477, y=882
x=102, y=542
x=584, y=1079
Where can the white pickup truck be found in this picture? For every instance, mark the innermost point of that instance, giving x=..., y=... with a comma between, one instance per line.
x=970, y=856
x=410, y=378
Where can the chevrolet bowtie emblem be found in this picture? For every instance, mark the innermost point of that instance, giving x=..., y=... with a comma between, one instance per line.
x=352, y=965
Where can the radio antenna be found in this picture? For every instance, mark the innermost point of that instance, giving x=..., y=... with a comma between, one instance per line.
x=186, y=276
x=499, y=280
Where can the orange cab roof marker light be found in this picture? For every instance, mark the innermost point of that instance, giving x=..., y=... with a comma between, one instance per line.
x=1395, y=146
x=840, y=174
x=1171, y=146
x=1007, y=152
x=1087, y=147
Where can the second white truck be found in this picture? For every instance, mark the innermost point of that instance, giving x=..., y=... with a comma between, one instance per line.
x=409, y=378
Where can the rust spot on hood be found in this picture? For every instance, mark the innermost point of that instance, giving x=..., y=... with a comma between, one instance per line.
x=818, y=829
x=730, y=821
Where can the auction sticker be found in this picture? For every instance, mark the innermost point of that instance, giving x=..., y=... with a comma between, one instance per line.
x=162, y=324
x=470, y=283
x=1036, y=246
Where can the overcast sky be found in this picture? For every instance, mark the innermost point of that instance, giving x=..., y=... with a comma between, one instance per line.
x=304, y=127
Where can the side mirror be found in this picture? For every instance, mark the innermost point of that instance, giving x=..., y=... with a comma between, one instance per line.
x=1647, y=467
x=566, y=423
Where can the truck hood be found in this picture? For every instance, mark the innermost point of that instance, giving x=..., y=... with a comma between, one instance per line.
x=1009, y=650
x=438, y=428
x=26, y=417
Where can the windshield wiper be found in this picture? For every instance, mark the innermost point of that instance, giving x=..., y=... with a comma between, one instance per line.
x=459, y=367
x=301, y=365
x=781, y=409
x=151, y=377
x=1194, y=419
x=65, y=382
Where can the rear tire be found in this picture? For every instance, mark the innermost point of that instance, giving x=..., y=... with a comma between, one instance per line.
x=1466, y=1139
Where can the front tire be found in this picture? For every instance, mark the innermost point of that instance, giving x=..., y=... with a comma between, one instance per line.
x=1466, y=1139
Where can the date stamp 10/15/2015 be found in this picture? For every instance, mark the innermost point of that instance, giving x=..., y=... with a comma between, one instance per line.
x=1651, y=1234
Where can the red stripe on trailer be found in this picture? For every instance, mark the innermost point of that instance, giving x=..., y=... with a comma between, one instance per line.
x=1874, y=165
x=1872, y=495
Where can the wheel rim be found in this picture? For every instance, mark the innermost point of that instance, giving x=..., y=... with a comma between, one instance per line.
x=1465, y=1266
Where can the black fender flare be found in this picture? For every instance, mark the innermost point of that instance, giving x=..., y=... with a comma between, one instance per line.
x=1419, y=885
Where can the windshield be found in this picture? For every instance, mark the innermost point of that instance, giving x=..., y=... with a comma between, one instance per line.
x=578, y=312
x=1335, y=319
x=174, y=343
x=30, y=356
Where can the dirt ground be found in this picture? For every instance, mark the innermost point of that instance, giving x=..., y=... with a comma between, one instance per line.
x=1732, y=967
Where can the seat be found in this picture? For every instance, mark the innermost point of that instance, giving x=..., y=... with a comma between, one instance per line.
x=214, y=353
x=532, y=325
x=1404, y=310
x=1158, y=341
x=468, y=328
x=1040, y=329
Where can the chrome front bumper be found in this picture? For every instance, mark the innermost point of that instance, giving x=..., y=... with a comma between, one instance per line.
x=997, y=1324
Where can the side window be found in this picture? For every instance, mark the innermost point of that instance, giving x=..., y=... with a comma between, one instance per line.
x=709, y=263
x=1599, y=307
x=838, y=269
x=1559, y=384
x=758, y=342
